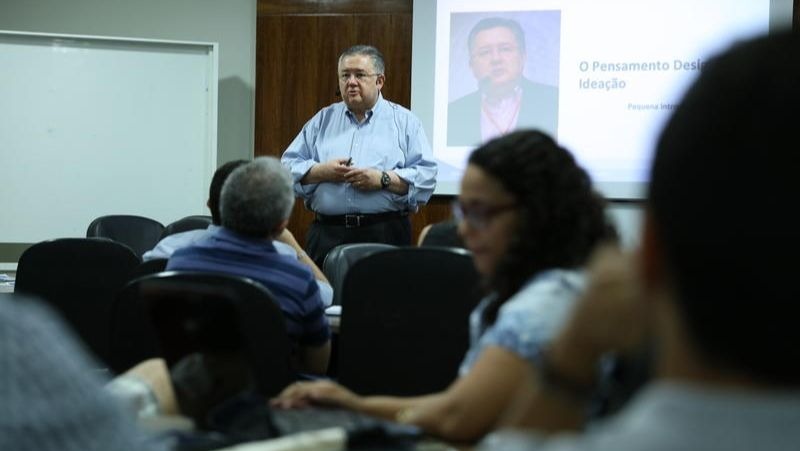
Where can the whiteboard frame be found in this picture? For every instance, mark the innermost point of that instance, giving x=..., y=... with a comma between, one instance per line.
x=207, y=50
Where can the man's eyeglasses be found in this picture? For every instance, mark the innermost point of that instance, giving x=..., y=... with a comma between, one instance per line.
x=478, y=216
x=359, y=76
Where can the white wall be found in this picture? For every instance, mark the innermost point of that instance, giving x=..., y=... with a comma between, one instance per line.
x=231, y=23
x=628, y=219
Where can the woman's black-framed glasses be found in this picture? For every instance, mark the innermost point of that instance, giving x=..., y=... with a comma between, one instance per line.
x=478, y=216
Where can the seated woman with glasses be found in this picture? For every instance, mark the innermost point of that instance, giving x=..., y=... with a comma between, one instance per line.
x=529, y=215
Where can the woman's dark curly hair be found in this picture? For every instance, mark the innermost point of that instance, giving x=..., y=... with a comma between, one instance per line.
x=561, y=217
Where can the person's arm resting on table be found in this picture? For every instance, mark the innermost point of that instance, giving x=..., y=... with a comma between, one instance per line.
x=465, y=411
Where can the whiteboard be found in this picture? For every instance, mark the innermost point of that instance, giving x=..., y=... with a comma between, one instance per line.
x=91, y=126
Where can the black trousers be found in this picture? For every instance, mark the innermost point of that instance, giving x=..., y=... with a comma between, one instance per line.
x=322, y=238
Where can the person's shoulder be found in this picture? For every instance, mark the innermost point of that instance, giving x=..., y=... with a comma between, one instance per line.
x=334, y=108
x=194, y=242
x=548, y=287
x=396, y=108
x=325, y=114
x=536, y=312
x=386, y=110
x=181, y=239
x=284, y=249
x=296, y=278
x=288, y=263
x=468, y=101
x=391, y=105
x=557, y=279
x=539, y=89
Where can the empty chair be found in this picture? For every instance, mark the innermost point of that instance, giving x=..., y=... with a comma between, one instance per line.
x=230, y=324
x=193, y=222
x=79, y=277
x=406, y=337
x=137, y=232
x=341, y=258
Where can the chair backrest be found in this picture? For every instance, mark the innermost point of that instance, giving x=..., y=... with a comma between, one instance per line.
x=79, y=277
x=132, y=338
x=193, y=222
x=443, y=233
x=148, y=267
x=137, y=232
x=222, y=317
x=341, y=258
x=405, y=327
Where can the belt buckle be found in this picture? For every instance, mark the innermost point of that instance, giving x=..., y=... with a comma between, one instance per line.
x=351, y=221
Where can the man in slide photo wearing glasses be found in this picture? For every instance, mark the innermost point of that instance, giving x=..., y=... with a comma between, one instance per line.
x=505, y=99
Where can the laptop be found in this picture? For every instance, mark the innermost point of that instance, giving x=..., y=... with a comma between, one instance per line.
x=247, y=417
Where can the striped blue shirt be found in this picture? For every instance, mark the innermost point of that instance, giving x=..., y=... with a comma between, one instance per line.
x=292, y=283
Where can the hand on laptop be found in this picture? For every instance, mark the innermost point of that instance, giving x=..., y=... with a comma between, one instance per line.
x=323, y=392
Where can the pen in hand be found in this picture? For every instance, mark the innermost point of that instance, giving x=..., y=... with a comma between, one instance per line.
x=349, y=162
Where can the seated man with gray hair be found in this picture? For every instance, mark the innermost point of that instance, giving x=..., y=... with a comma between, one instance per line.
x=256, y=201
x=285, y=243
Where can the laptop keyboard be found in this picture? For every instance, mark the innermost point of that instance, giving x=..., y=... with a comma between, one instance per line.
x=289, y=421
x=248, y=417
x=363, y=431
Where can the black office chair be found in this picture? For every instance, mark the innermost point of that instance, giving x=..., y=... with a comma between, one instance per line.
x=405, y=325
x=231, y=324
x=341, y=258
x=148, y=267
x=79, y=277
x=137, y=232
x=193, y=222
x=444, y=234
x=132, y=339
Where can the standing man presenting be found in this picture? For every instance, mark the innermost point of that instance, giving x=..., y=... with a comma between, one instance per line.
x=363, y=164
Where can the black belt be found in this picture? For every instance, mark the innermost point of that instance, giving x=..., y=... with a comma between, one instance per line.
x=359, y=219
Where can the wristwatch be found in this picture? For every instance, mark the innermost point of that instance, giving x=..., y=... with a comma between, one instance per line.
x=385, y=180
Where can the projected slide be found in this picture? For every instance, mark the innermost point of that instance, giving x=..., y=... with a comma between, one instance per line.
x=600, y=76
